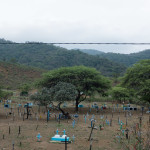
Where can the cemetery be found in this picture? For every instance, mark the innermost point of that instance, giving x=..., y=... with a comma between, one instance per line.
x=24, y=126
x=76, y=108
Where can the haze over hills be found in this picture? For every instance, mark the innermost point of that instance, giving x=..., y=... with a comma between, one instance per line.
x=51, y=57
x=126, y=59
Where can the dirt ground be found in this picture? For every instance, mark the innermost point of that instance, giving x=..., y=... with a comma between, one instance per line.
x=105, y=139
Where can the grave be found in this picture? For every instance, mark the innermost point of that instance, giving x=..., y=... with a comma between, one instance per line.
x=95, y=105
x=6, y=105
x=38, y=137
x=60, y=138
x=80, y=106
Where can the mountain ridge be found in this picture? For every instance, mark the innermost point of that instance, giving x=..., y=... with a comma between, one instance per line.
x=50, y=57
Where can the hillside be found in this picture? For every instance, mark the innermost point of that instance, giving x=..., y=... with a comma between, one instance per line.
x=13, y=76
x=90, y=51
x=50, y=57
x=126, y=59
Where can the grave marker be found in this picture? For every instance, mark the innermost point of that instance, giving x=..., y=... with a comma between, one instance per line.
x=39, y=137
x=73, y=123
x=73, y=138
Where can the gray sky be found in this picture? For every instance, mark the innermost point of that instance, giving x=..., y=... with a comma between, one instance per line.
x=77, y=21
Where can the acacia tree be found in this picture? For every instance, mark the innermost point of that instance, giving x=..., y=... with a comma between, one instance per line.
x=43, y=97
x=120, y=93
x=59, y=93
x=85, y=79
x=137, y=78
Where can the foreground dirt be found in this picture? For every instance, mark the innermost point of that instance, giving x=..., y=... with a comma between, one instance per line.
x=29, y=128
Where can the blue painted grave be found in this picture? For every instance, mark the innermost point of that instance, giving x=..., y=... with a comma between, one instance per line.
x=6, y=105
x=38, y=137
x=60, y=138
x=80, y=106
x=73, y=123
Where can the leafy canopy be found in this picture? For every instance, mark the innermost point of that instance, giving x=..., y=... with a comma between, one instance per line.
x=83, y=78
x=119, y=93
x=137, y=78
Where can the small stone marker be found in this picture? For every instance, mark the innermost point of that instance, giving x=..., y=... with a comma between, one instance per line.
x=38, y=137
x=57, y=131
x=73, y=123
x=73, y=138
x=127, y=130
x=121, y=125
x=101, y=117
x=100, y=127
x=64, y=132
x=85, y=118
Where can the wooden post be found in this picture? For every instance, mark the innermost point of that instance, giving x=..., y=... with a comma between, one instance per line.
x=91, y=132
x=91, y=144
x=9, y=129
x=126, y=121
x=65, y=142
x=110, y=122
x=19, y=130
x=36, y=127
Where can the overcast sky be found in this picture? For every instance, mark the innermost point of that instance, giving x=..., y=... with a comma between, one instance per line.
x=77, y=21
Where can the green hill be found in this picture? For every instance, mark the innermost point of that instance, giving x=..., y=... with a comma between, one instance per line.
x=125, y=59
x=50, y=57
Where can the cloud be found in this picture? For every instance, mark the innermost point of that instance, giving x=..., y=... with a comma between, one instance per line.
x=77, y=21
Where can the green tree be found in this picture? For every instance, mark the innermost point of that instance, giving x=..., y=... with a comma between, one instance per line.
x=137, y=78
x=43, y=97
x=59, y=93
x=25, y=89
x=119, y=93
x=86, y=80
x=5, y=94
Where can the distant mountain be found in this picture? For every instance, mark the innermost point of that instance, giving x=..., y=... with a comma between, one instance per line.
x=90, y=51
x=51, y=57
x=125, y=59
x=14, y=75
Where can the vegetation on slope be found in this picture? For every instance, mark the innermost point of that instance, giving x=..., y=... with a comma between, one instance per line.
x=51, y=57
x=13, y=76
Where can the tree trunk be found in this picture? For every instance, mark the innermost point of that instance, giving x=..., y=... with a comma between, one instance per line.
x=67, y=116
x=77, y=101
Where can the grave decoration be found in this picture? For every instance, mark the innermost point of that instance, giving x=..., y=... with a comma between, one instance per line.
x=80, y=106
x=48, y=115
x=128, y=107
x=73, y=123
x=19, y=105
x=65, y=105
x=92, y=120
x=6, y=105
x=101, y=127
x=104, y=107
x=39, y=137
x=60, y=138
x=121, y=124
x=85, y=118
x=107, y=122
x=76, y=115
x=28, y=107
x=73, y=138
x=102, y=117
x=95, y=105
x=8, y=101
